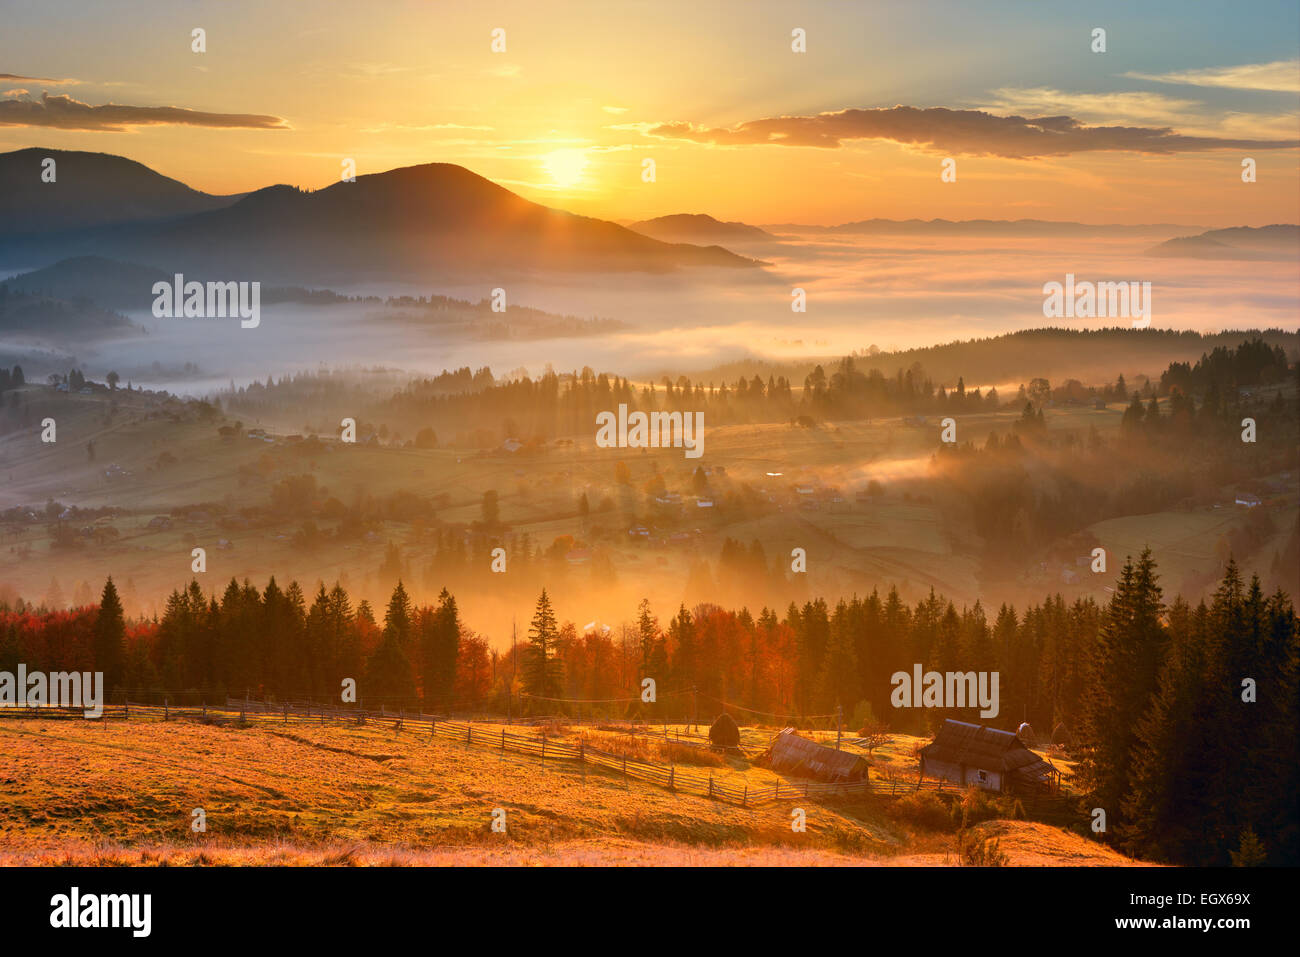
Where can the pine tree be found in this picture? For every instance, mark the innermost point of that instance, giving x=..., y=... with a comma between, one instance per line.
x=440, y=646
x=397, y=619
x=543, y=671
x=839, y=674
x=654, y=649
x=109, y=640
x=389, y=680
x=1123, y=670
x=1161, y=817
x=389, y=675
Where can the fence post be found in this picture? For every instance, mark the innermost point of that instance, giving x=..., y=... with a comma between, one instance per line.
x=625, y=770
x=710, y=787
x=165, y=709
x=469, y=733
x=433, y=726
x=672, y=769
x=503, y=740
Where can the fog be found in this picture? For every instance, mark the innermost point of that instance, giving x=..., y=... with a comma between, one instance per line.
x=894, y=292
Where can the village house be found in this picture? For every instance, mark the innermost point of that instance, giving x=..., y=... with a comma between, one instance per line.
x=794, y=755
x=992, y=760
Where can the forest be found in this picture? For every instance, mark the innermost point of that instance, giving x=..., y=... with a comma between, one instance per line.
x=1182, y=717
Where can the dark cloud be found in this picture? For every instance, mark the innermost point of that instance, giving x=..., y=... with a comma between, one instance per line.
x=63, y=112
x=970, y=132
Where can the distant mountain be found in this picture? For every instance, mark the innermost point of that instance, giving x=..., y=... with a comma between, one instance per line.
x=89, y=190
x=1199, y=247
x=982, y=227
x=699, y=228
x=113, y=284
x=1094, y=356
x=421, y=222
x=1278, y=242
x=46, y=316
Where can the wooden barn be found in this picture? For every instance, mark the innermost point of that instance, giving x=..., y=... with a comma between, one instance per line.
x=791, y=754
x=971, y=754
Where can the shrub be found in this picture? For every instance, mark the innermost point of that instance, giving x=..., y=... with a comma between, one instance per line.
x=923, y=809
x=977, y=806
x=980, y=851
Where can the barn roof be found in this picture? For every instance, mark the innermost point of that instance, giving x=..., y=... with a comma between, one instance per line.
x=988, y=749
x=791, y=754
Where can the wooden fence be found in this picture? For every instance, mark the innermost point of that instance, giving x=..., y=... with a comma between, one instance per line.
x=499, y=737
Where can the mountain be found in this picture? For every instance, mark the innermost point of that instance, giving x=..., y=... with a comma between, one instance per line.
x=1277, y=242
x=982, y=227
x=55, y=308
x=109, y=283
x=699, y=228
x=89, y=190
x=417, y=223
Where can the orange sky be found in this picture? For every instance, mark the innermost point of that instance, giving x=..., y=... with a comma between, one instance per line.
x=584, y=93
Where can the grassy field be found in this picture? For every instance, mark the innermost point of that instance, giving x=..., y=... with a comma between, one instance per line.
x=122, y=793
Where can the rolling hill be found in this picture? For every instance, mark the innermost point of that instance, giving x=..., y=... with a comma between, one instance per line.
x=699, y=228
x=109, y=283
x=1276, y=242
x=90, y=190
x=983, y=227
x=437, y=220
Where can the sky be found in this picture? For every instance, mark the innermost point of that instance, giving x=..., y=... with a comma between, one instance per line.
x=738, y=124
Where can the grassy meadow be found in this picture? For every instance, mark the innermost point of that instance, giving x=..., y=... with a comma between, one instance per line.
x=116, y=792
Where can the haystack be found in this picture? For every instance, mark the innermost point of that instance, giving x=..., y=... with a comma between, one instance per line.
x=725, y=733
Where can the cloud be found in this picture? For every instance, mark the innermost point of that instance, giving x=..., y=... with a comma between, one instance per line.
x=1141, y=109
x=1191, y=117
x=1282, y=76
x=63, y=112
x=55, y=81
x=970, y=132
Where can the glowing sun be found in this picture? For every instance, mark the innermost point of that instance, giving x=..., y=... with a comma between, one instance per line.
x=565, y=167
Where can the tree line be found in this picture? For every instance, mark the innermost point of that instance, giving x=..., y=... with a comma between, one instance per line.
x=1184, y=719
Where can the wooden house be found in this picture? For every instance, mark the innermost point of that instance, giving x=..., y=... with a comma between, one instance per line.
x=794, y=755
x=973, y=755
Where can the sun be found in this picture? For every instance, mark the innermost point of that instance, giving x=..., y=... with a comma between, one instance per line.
x=565, y=167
